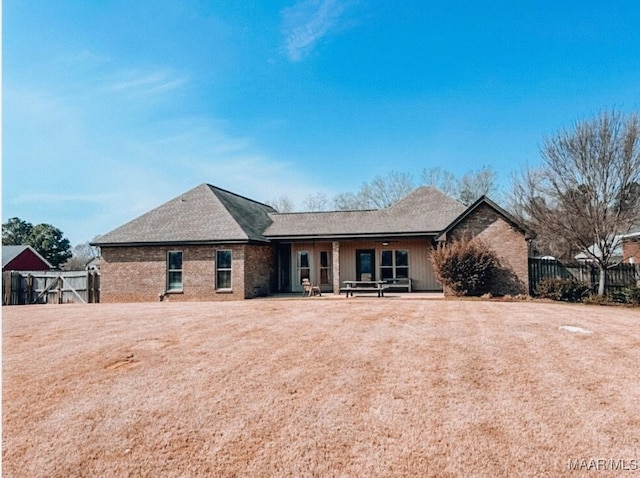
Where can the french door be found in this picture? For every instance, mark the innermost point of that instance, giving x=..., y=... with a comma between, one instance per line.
x=303, y=266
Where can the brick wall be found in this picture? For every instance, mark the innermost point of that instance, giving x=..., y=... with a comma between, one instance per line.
x=509, y=244
x=260, y=275
x=631, y=250
x=138, y=274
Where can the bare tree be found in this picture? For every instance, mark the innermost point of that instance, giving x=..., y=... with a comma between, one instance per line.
x=348, y=202
x=445, y=181
x=587, y=189
x=281, y=204
x=381, y=192
x=465, y=189
x=474, y=184
x=316, y=202
x=81, y=255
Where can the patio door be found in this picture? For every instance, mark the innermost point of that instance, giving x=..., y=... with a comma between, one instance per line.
x=284, y=268
x=365, y=264
x=303, y=266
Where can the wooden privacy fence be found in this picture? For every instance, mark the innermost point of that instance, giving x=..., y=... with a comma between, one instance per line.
x=50, y=287
x=618, y=277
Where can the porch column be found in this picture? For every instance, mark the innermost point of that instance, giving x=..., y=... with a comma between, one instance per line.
x=336, y=267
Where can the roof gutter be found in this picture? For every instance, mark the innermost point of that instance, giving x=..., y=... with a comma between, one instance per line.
x=179, y=243
x=352, y=236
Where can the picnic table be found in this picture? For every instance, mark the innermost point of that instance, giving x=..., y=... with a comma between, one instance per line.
x=351, y=286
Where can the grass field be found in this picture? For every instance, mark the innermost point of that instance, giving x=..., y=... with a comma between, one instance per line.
x=359, y=387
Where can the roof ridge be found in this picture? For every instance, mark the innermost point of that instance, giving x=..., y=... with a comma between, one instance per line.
x=252, y=217
x=212, y=186
x=325, y=212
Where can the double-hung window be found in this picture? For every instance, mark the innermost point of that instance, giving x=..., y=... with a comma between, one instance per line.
x=394, y=264
x=174, y=271
x=223, y=270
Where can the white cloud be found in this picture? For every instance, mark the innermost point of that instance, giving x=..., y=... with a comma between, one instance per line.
x=307, y=22
x=148, y=83
x=95, y=162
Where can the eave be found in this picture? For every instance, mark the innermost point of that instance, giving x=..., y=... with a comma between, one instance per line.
x=179, y=243
x=333, y=237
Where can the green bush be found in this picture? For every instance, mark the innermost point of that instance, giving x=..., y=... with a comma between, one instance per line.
x=466, y=267
x=633, y=295
x=628, y=295
x=569, y=290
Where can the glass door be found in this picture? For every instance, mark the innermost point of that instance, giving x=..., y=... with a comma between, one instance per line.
x=303, y=268
x=365, y=264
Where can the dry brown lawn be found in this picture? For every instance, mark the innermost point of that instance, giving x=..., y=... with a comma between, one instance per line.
x=359, y=387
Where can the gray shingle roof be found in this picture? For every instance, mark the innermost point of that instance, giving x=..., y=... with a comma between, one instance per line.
x=208, y=214
x=203, y=214
x=425, y=210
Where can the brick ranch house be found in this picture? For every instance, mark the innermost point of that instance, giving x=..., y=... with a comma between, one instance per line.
x=212, y=244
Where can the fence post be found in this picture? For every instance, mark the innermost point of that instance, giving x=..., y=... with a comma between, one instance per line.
x=93, y=285
x=6, y=288
x=59, y=289
x=16, y=279
x=96, y=283
x=29, y=289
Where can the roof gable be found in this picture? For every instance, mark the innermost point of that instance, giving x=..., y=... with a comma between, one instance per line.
x=483, y=200
x=12, y=253
x=203, y=214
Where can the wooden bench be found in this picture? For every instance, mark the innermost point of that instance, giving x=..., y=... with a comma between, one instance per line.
x=352, y=286
x=399, y=284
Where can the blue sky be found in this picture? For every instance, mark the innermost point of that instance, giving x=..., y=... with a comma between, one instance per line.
x=111, y=108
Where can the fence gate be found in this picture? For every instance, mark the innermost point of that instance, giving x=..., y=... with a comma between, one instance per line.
x=50, y=287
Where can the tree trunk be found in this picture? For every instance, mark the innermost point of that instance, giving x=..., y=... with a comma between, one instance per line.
x=603, y=280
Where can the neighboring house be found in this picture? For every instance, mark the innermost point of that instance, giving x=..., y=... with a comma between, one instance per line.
x=616, y=253
x=212, y=244
x=93, y=264
x=631, y=248
x=23, y=258
x=626, y=248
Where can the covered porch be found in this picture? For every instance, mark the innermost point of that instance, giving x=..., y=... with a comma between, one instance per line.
x=328, y=263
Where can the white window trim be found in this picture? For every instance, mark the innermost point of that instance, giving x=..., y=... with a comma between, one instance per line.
x=299, y=268
x=328, y=268
x=230, y=269
x=168, y=270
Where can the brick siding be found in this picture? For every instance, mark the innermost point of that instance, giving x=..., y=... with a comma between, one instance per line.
x=260, y=274
x=508, y=242
x=631, y=250
x=139, y=274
